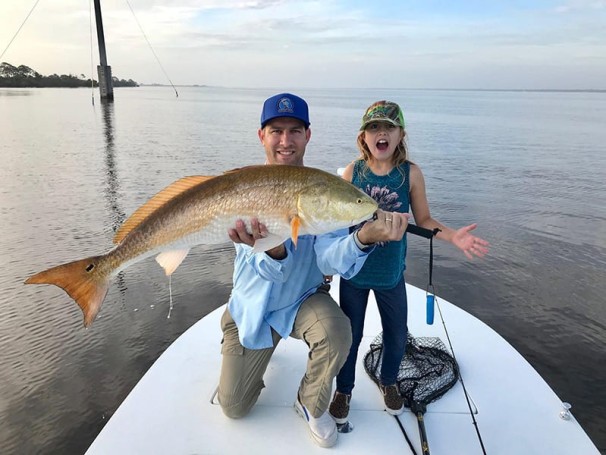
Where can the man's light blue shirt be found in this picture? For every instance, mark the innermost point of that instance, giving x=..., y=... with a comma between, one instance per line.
x=267, y=292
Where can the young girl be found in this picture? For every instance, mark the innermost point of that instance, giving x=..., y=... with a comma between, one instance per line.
x=385, y=173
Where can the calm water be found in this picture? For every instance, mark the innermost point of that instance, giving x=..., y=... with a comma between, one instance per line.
x=528, y=167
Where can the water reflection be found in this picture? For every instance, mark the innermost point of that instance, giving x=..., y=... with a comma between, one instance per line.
x=15, y=92
x=112, y=188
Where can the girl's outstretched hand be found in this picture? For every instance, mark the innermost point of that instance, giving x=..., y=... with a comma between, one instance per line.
x=469, y=243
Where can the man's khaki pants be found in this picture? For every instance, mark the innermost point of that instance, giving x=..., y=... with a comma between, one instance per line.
x=326, y=331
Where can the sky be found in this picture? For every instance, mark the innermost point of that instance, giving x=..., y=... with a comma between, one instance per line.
x=470, y=44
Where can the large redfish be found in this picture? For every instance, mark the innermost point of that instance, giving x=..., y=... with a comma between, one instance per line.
x=289, y=200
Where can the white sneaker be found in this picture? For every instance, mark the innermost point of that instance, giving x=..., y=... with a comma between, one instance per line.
x=323, y=429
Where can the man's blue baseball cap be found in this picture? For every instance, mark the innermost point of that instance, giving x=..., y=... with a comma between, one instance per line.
x=285, y=105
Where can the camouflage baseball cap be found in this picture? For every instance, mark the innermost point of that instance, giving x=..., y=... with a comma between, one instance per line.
x=383, y=111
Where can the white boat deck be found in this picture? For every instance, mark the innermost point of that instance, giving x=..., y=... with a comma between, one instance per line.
x=171, y=410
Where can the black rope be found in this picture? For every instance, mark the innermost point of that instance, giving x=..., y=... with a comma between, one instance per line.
x=152, y=49
x=405, y=435
x=19, y=29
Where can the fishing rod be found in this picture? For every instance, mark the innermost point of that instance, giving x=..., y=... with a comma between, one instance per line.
x=417, y=405
x=421, y=232
x=467, y=399
x=422, y=357
x=420, y=408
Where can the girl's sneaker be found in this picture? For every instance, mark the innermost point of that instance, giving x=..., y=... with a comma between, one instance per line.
x=394, y=402
x=339, y=408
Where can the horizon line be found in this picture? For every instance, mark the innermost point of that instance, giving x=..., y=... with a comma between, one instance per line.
x=593, y=90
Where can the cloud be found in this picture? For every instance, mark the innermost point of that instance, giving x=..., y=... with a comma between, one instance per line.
x=581, y=6
x=318, y=43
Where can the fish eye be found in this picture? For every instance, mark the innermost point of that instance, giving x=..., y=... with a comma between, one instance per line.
x=359, y=201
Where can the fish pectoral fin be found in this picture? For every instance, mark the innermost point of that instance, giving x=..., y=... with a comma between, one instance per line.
x=267, y=243
x=170, y=260
x=157, y=201
x=295, y=223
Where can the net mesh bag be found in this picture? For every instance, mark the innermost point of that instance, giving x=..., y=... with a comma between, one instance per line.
x=427, y=370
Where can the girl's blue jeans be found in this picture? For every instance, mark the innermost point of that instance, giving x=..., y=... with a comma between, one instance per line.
x=393, y=309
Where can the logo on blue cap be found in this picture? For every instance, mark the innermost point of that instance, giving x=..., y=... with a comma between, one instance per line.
x=285, y=105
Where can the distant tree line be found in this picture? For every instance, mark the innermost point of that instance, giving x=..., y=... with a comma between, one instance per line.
x=24, y=76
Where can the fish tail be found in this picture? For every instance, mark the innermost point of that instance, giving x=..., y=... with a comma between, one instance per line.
x=82, y=280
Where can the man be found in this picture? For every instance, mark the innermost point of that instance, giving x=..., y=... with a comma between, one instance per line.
x=281, y=292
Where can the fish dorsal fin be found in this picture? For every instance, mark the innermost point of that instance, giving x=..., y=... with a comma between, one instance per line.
x=231, y=171
x=157, y=201
x=170, y=260
x=238, y=169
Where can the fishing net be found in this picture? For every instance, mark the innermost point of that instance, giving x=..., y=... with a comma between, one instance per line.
x=427, y=370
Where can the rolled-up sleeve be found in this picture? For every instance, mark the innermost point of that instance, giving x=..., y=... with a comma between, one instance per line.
x=337, y=254
x=265, y=266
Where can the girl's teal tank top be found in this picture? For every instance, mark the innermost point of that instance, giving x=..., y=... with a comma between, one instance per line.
x=385, y=266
